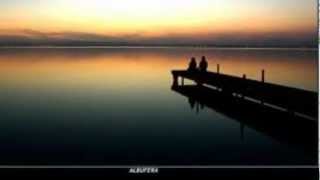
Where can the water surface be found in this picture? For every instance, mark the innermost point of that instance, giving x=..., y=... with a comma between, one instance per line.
x=115, y=106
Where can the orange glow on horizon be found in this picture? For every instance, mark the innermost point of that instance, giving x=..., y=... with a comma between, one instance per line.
x=160, y=18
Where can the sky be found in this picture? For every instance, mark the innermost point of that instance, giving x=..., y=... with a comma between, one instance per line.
x=160, y=21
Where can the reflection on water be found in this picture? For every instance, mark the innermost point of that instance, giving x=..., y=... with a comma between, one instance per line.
x=294, y=130
x=115, y=106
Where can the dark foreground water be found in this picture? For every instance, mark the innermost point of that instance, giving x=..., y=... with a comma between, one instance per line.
x=115, y=106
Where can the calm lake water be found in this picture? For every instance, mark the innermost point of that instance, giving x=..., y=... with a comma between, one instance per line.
x=115, y=106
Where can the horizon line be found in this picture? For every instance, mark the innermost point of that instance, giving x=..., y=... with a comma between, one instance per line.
x=164, y=46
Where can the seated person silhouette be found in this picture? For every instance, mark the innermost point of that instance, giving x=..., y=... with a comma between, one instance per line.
x=203, y=66
x=192, y=65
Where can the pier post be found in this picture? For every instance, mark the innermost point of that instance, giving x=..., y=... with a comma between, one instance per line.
x=263, y=76
x=244, y=77
x=218, y=68
x=175, y=80
x=263, y=81
x=241, y=131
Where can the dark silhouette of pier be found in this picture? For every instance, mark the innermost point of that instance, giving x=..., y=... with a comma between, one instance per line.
x=293, y=100
x=280, y=125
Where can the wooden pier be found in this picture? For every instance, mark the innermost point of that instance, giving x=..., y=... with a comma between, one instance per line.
x=289, y=99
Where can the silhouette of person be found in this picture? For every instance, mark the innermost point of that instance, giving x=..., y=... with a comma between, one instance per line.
x=201, y=106
x=192, y=102
x=197, y=107
x=192, y=64
x=203, y=66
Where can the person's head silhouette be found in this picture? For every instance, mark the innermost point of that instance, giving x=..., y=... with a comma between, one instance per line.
x=203, y=64
x=192, y=64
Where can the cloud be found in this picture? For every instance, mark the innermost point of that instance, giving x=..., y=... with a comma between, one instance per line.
x=33, y=37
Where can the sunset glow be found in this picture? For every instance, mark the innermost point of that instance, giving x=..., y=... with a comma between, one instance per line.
x=188, y=20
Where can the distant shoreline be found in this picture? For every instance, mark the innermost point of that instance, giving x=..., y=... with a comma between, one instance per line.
x=156, y=47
